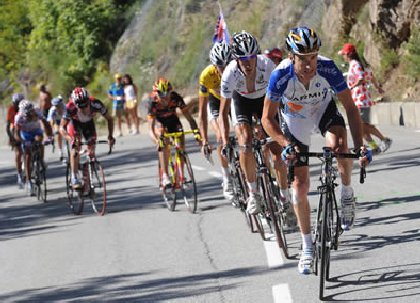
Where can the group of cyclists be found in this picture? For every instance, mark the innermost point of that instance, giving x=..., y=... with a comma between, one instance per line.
x=26, y=123
x=290, y=97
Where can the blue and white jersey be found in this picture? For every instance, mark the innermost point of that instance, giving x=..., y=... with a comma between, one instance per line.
x=303, y=108
x=233, y=79
x=53, y=114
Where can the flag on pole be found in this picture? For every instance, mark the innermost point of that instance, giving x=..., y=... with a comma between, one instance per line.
x=221, y=32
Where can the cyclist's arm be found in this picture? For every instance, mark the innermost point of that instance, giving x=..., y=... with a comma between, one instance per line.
x=63, y=129
x=353, y=117
x=9, y=131
x=224, y=119
x=47, y=127
x=108, y=118
x=202, y=117
x=188, y=116
x=271, y=124
x=152, y=134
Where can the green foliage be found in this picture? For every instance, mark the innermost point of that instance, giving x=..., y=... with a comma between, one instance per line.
x=411, y=58
x=389, y=60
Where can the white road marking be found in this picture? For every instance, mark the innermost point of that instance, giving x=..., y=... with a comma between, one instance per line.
x=281, y=293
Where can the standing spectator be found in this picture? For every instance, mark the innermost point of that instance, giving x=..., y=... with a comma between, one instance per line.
x=116, y=94
x=130, y=92
x=274, y=54
x=359, y=80
x=45, y=99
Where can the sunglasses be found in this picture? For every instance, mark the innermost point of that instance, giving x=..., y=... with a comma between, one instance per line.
x=162, y=94
x=247, y=58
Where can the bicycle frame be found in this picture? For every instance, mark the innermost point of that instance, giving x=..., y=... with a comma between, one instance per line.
x=175, y=140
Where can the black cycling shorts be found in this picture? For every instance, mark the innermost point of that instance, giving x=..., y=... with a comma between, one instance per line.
x=171, y=124
x=244, y=108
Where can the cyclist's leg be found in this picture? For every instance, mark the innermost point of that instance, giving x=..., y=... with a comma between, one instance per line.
x=73, y=129
x=213, y=108
x=89, y=133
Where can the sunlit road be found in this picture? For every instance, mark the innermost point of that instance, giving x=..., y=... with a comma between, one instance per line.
x=141, y=252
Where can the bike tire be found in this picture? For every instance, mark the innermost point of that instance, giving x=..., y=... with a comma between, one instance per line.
x=42, y=183
x=325, y=249
x=276, y=216
x=96, y=186
x=75, y=197
x=189, y=186
x=169, y=193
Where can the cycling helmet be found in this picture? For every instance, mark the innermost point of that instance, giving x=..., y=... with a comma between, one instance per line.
x=273, y=53
x=244, y=45
x=16, y=98
x=25, y=107
x=302, y=41
x=162, y=87
x=80, y=97
x=57, y=100
x=220, y=54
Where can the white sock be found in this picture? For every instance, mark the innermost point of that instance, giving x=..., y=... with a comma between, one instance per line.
x=225, y=172
x=252, y=187
x=285, y=194
x=346, y=191
x=306, y=241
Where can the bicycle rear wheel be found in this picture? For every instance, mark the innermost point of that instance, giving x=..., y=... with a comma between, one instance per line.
x=240, y=193
x=75, y=197
x=188, y=186
x=96, y=186
x=325, y=244
x=275, y=215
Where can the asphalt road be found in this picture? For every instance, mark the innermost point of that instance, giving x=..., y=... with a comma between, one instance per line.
x=141, y=252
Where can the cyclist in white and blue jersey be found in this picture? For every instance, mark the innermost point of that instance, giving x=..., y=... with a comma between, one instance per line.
x=55, y=113
x=302, y=87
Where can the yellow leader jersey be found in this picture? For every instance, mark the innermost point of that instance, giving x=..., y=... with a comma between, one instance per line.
x=210, y=82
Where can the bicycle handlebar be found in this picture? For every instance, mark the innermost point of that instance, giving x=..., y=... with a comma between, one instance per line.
x=80, y=143
x=323, y=155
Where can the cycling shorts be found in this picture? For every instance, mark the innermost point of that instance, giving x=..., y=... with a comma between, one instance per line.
x=76, y=129
x=213, y=107
x=29, y=137
x=243, y=108
x=331, y=117
x=171, y=124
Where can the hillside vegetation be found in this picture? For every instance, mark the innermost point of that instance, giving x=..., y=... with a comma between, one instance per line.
x=74, y=42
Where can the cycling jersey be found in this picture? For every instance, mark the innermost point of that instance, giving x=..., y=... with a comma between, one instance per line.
x=161, y=112
x=210, y=82
x=302, y=109
x=53, y=115
x=72, y=112
x=233, y=79
x=29, y=124
x=11, y=113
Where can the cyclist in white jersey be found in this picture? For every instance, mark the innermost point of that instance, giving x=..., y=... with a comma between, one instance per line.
x=245, y=81
x=301, y=87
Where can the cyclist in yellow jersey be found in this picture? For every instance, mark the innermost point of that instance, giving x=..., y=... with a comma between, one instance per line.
x=209, y=104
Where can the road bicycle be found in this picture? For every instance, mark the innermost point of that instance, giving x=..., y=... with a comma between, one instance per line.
x=272, y=209
x=327, y=226
x=179, y=170
x=38, y=171
x=239, y=186
x=94, y=185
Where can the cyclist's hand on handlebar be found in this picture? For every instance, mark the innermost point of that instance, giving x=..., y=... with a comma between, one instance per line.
x=288, y=153
x=225, y=150
x=365, y=156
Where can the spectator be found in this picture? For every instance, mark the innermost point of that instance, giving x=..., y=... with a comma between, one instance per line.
x=359, y=79
x=130, y=92
x=45, y=99
x=274, y=54
x=116, y=94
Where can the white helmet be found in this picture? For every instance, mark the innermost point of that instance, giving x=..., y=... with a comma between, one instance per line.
x=25, y=107
x=244, y=45
x=220, y=53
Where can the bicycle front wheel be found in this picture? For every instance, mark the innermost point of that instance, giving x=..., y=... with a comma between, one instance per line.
x=40, y=181
x=97, y=187
x=188, y=186
x=75, y=197
x=275, y=213
x=325, y=247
